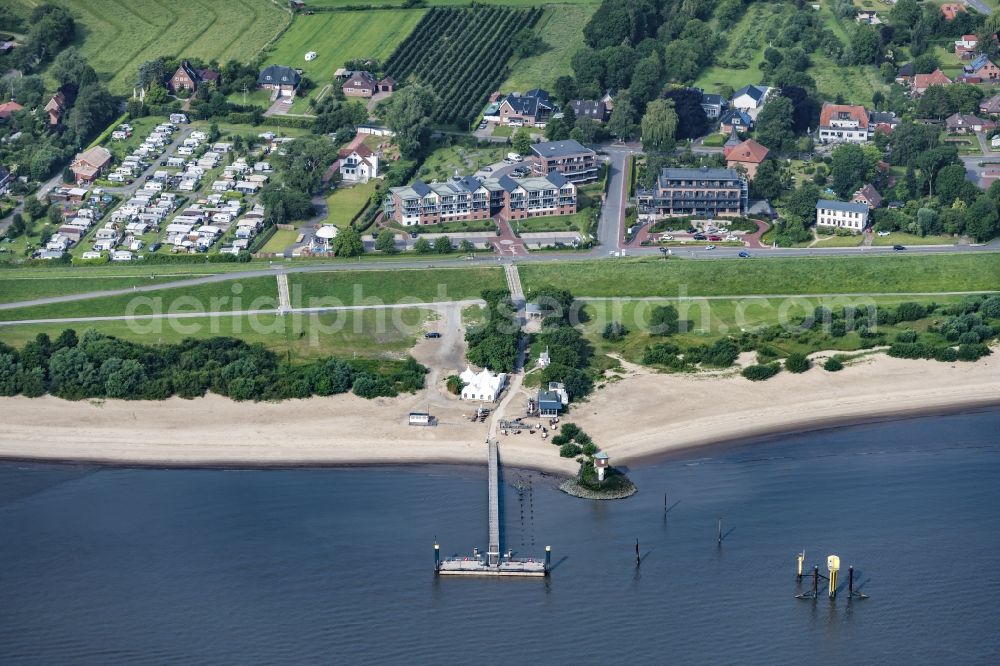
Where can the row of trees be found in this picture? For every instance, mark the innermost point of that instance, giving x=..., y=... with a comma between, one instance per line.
x=97, y=366
x=570, y=353
x=460, y=53
x=494, y=343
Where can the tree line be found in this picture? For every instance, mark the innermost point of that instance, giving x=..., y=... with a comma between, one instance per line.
x=95, y=365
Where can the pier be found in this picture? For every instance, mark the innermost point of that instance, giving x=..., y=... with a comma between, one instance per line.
x=495, y=562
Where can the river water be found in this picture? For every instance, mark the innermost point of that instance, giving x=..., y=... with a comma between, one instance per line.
x=105, y=565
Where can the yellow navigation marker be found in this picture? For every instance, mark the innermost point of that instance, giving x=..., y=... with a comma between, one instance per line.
x=833, y=565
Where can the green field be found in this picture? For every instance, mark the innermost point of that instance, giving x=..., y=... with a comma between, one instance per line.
x=419, y=284
x=300, y=337
x=561, y=29
x=337, y=37
x=252, y=293
x=117, y=36
x=806, y=275
x=444, y=162
x=28, y=288
x=281, y=239
x=344, y=203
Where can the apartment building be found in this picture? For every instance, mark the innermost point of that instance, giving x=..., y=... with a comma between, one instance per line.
x=469, y=198
x=843, y=123
x=701, y=192
x=577, y=163
x=841, y=215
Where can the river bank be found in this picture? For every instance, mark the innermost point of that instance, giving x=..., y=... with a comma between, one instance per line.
x=640, y=416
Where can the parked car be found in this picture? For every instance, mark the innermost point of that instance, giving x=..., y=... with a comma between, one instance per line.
x=155, y=246
x=897, y=248
x=666, y=237
x=700, y=237
x=432, y=334
x=487, y=169
x=715, y=239
x=413, y=234
x=884, y=233
x=744, y=255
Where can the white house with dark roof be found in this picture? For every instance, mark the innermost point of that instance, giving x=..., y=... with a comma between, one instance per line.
x=713, y=105
x=751, y=99
x=842, y=215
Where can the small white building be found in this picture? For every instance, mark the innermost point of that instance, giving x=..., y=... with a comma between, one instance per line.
x=841, y=215
x=483, y=386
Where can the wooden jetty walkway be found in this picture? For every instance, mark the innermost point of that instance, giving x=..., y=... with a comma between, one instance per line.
x=496, y=563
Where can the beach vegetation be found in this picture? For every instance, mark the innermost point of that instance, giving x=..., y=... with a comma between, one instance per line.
x=797, y=363
x=760, y=372
x=493, y=344
x=833, y=364
x=96, y=365
x=614, y=331
x=454, y=384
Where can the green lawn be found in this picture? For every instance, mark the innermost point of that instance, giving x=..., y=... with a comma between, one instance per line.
x=345, y=202
x=561, y=29
x=337, y=37
x=281, y=239
x=298, y=337
x=805, y=275
x=903, y=238
x=244, y=294
x=23, y=288
x=825, y=240
x=116, y=36
x=395, y=286
x=444, y=162
x=579, y=221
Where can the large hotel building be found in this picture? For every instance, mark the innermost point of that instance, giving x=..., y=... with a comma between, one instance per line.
x=700, y=192
x=470, y=198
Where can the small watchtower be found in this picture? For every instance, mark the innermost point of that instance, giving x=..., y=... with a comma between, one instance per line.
x=601, y=464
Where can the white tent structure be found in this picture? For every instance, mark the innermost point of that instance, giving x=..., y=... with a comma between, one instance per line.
x=483, y=386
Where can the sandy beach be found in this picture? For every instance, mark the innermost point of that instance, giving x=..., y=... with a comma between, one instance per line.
x=643, y=414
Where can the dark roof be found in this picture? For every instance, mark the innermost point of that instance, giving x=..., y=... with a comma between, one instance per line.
x=549, y=397
x=557, y=179
x=669, y=173
x=565, y=148
x=755, y=92
x=586, y=108
x=530, y=102
x=728, y=116
x=278, y=74
x=421, y=188
x=507, y=183
x=907, y=70
x=712, y=99
x=883, y=117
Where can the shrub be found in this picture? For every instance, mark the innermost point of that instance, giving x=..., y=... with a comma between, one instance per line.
x=946, y=354
x=758, y=373
x=614, y=331
x=833, y=364
x=797, y=363
x=454, y=384
x=907, y=336
x=570, y=450
x=910, y=311
x=907, y=350
x=972, y=352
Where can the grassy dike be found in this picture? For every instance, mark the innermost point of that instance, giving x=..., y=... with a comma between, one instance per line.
x=877, y=274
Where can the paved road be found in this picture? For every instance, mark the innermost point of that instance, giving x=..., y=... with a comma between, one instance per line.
x=979, y=6
x=610, y=231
